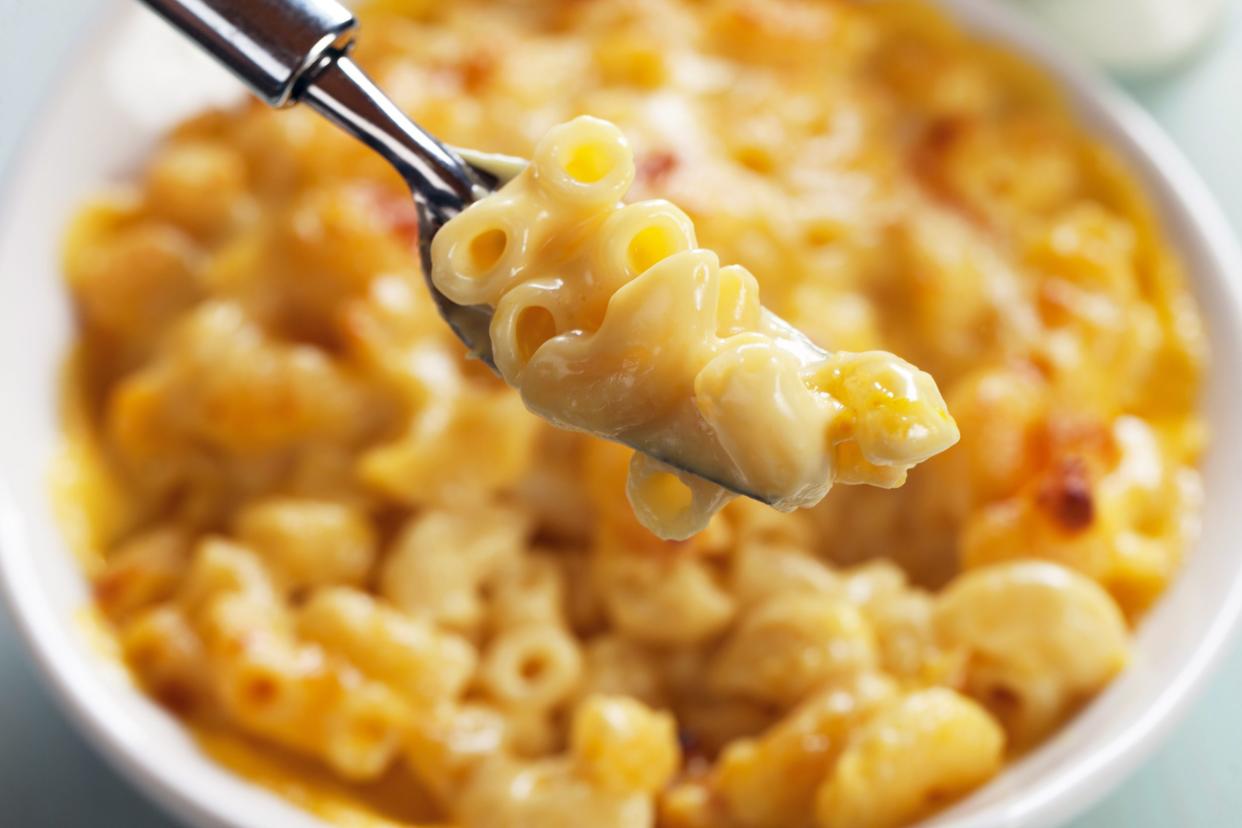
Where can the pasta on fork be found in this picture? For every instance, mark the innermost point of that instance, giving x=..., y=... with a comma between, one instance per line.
x=610, y=319
x=366, y=577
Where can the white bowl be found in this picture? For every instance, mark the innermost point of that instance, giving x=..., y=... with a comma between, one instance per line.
x=99, y=124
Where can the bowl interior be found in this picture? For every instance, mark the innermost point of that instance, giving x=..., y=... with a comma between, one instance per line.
x=96, y=129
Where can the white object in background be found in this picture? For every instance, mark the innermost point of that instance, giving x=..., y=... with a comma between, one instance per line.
x=1132, y=36
x=158, y=78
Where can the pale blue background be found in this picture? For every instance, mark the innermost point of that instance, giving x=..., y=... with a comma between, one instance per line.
x=49, y=777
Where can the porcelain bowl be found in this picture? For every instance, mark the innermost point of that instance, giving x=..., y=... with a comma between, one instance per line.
x=98, y=125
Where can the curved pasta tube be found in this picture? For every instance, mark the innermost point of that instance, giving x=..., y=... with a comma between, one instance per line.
x=770, y=781
x=638, y=236
x=784, y=648
x=585, y=163
x=479, y=254
x=623, y=746
x=534, y=666
x=660, y=600
x=633, y=239
x=751, y=366
x=1040, y=637
x=609, y=319
x=525, y=318
x=663, y=496
x=900, y=418
x=636, y=370
x=427, y=666
x=931, y=745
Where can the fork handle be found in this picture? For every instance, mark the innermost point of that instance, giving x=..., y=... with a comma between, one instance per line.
x=288, y=51
x=271, y=45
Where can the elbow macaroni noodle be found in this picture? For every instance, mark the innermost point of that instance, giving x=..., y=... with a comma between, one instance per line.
x=609, y=319
x=365, y=574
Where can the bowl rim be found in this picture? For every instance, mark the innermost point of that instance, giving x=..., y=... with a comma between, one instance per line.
x=1056, y=798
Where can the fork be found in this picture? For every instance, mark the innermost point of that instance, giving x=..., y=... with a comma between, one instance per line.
x=297, y=51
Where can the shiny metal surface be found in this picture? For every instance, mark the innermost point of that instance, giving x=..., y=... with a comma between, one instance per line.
x=268, y=44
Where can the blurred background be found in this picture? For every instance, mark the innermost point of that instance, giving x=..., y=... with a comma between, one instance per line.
x=1182, y=61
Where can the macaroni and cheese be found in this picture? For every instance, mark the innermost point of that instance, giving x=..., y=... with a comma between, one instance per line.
x=608, y=319
x=353, y=562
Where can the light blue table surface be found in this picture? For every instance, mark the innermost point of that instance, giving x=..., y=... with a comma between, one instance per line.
x=50, y=777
